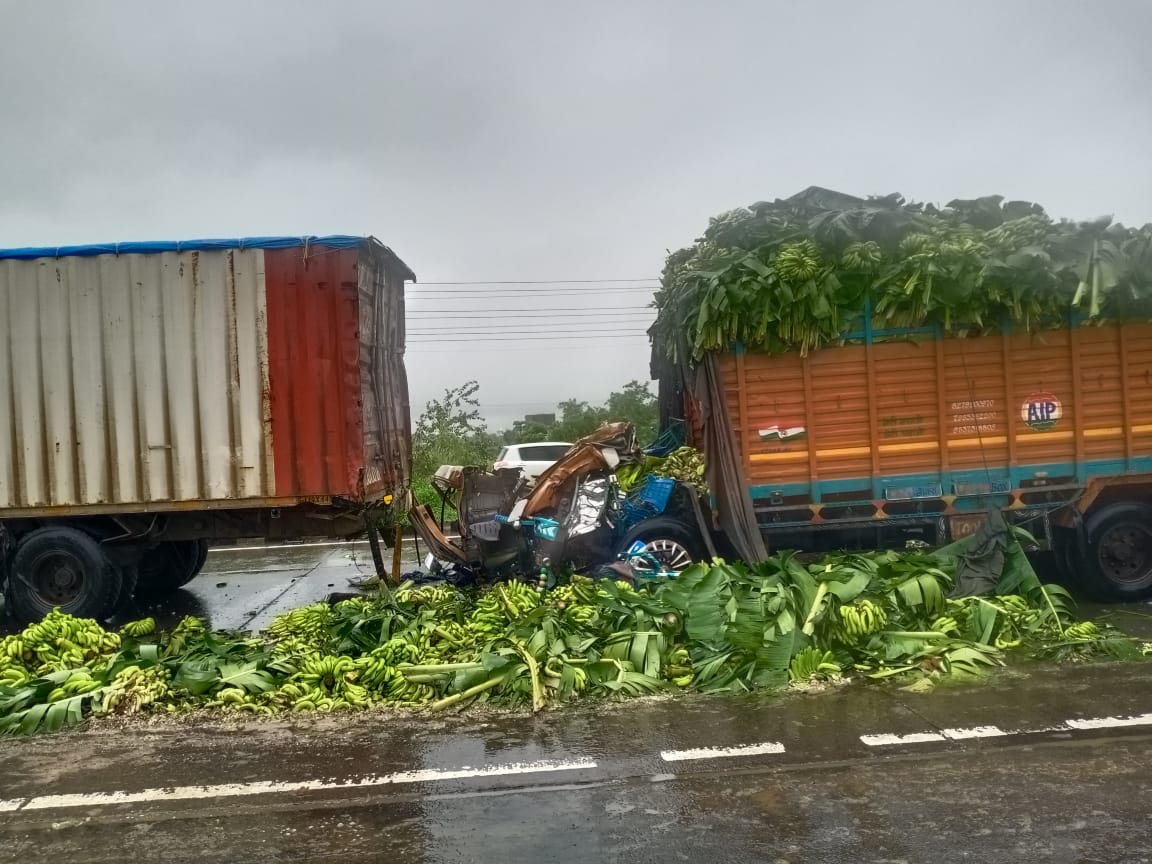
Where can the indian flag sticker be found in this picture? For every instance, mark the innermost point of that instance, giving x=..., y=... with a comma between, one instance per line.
x=1041, y=411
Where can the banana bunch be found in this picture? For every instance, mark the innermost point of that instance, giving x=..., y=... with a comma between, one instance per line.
x=798, y=262
x=136, y=629
x=405, y=692
x=862, y=618
x=308, y=624
x=428, y=595
x=13, y=675
x=581, y=589
x=454, y=633
x=80, y=683
x=327, y=673
x=581, y=615
x=946, y=624
x=685, y=464
x=134, y=689
x=13, y=652
x=376, y=673
x=397, y=651
x=1083, y=631
x=679, y=668
x=554, y=669
x=811, y=663
x=519, y=598
x=239, y=699
x=864, y=257
x=562, y=596
x=1015, y=233
x=61, y=641
x=1014, y=603
x=352, y=606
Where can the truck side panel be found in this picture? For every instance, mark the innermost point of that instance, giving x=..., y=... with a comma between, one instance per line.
x=133, y=378
x=941, y=426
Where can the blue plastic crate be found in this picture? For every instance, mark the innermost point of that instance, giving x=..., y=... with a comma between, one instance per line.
x=649, y=500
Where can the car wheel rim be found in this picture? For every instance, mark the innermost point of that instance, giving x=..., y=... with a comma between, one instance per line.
x=669, y=553
x=1124, y=553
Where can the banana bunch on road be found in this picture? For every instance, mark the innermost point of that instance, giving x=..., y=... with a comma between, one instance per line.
x=397, y=651
x=134, y=689
x=309, y=625
x=1083, y=631
x=136, y=629
x=679, y=668
x=59, y=641
x=861, y=619
x=327, y=673
x=946, y=624
x=428, y=595
x=555, y=669
x=79, y=683
x=581, y=615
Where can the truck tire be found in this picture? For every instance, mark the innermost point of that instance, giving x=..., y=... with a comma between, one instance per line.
x=670, y=540
x=62, y=568
x=1119, y=552
x=170, y=566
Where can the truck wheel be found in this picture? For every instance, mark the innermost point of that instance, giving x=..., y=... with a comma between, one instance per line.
x=171, y=565
x=62, y=567
x=1120, y=551
x=670, y=540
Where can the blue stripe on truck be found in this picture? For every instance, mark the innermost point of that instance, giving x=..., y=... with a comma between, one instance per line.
x=1010, y=479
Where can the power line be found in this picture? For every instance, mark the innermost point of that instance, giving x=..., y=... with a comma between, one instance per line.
x=541, y=281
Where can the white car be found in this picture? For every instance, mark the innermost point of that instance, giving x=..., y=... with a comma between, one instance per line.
x=534, y=458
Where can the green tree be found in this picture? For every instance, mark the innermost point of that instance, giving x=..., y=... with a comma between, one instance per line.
x=450, y=431
x=634, y=403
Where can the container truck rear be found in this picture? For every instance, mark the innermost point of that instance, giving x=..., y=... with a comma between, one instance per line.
x=157, y=395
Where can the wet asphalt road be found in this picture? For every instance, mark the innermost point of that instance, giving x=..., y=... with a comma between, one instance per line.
x=1053, y=765
x=594, y=785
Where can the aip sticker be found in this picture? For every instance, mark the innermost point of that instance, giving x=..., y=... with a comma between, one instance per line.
x=1041, y=411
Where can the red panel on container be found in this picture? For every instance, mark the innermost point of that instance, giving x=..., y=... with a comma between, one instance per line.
x=314, y=370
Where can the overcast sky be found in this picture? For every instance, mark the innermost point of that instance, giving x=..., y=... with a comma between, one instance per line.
x=543, y=140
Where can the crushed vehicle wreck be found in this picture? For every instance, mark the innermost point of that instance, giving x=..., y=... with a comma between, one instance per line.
x=573, y=516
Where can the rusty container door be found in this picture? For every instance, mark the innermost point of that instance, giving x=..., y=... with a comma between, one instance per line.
x=387, y=425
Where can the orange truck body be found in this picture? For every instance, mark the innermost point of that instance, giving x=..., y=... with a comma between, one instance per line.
x=921, y=434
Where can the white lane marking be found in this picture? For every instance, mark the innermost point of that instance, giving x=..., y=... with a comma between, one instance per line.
x=1109, y=722
x=975, y=732
x=268, y=787
x=912, y=738
x=721, y=752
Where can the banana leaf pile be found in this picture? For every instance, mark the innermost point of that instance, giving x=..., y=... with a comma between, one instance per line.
x=802, y=272
x=717, y=628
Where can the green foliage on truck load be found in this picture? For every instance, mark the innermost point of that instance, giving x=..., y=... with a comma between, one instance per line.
x=798, y=273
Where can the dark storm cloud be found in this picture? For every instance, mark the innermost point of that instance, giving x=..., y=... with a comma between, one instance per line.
x=546, y=140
